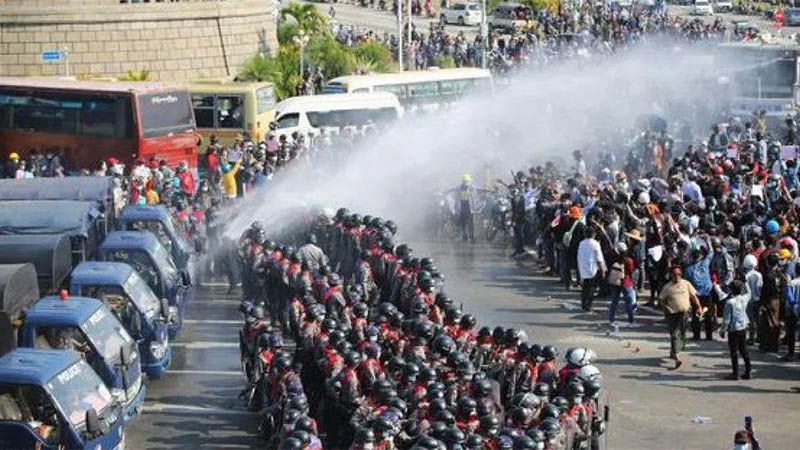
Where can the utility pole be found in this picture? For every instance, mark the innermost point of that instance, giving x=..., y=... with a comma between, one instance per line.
x=400, y=34
x=408, y=34
x=484, y=33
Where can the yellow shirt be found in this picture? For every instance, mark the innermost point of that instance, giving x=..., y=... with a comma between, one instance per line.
x=228, y=181
x=674, y=296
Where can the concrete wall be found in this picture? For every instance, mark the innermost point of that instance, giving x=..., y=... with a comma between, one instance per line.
x=175, y=41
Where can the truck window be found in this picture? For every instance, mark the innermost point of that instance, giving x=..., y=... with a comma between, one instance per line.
x=115, y=300
x=58, y=337
x=107, y=334
x=288, y=120
x=77, y=389
x=142, y=264
x=31, y=405
x=154, y=227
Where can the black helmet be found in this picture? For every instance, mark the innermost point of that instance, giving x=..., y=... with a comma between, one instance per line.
x=454, y=436
x=498, y=335
x=427, y=374
x=466, y=406
x=300, y=403
x=303, y=436
x=410, y=371
x=484, y=332
x=474, y=442
x=513, y=336
x=360, y=310
x=482, y=388
x=526, y=400
x=398, y=404
x=390, y=225
x=524, y=443
x=468, y=321
x=542, y=390
x=426, y=263
x=574, y=389
x=550, y=427
x=282, y=361
x=352, y=358
x=365, y=436
x=537, y=435
x=437, y=404
x=427, y=443
x=521, y=416
x=592, y=387
x=549, y=352
x=306, y=424
x=452, y=314
x=384, y=426
x=443, y=345
x=445, y=416
x=489, y=426
x=290, y=443
x=561, y=403
x=549, y=410
x=438, y=429
x=329, y=324
x=535, y=353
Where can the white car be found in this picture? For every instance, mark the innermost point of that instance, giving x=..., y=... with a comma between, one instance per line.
x=723, y=5
x=462, y=14
x=702, y=8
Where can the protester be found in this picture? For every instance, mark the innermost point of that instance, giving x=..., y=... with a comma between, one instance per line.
x=591, y=266
x=734, y=323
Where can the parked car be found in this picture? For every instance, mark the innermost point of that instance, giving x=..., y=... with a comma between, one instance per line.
x=509, y=16
x=791, y=17
x=463, y=14
x=702, y=8
x=723, y=5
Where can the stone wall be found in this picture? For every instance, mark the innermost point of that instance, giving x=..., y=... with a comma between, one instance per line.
x=174, y=41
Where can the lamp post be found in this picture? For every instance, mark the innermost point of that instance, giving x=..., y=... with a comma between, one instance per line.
x=301, y=40
x=484, y=34
x=400, y=34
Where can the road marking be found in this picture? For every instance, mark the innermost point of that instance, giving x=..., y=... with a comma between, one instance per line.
x=190, y=409
x=214, y=322
x=226, y=373
x=214, y=284
x=204, y=345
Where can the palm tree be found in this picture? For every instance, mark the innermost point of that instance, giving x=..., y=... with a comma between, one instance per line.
x=308, y=18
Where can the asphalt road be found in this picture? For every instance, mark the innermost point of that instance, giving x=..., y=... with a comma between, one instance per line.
x=195, y=406
x=652, y=407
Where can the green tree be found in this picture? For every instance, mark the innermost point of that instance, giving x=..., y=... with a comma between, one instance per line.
x=286, y=31
x=282, y=70
x=445, y=62
x=334, y=58
x=374, y=57
x=307, y=17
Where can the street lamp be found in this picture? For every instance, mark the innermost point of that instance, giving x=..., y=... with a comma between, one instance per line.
x=301, y=40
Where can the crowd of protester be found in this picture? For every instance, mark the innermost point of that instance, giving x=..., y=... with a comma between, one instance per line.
x=582, y=32
x=710, y=232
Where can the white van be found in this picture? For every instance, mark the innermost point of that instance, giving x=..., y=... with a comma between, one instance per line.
x=308, y=114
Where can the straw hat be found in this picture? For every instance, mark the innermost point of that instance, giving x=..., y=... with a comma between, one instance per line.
x=634, y=234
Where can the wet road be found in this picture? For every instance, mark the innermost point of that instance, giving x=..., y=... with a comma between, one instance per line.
x=652, y=407
x=195, y=406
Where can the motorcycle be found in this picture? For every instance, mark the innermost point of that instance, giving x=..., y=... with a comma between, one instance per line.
x=499, y=219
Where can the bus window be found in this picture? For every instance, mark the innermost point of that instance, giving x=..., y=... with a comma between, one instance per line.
x=334, y=88
x=165, y=114
x=288, y=120
x=265, y=99
x=229, y=111
x=397, y=89
x=98, y=117
x=427, y=89
x=361, y=91
x=203, y=106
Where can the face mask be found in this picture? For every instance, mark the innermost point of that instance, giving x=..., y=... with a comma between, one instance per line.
x=741, y=447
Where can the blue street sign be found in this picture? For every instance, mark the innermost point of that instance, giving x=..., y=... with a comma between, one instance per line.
x=51, y=56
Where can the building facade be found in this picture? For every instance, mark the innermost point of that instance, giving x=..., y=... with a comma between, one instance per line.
x=174, y=41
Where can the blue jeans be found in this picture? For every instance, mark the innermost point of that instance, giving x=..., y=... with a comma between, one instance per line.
x=629, y=294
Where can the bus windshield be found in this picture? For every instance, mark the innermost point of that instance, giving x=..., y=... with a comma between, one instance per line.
x=165, y=114
x=76, y=390
x=107, y=334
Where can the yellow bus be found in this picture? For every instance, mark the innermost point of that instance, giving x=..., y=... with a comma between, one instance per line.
x=228, y=109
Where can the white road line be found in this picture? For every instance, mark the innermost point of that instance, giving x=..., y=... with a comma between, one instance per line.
x=214, y=284
x=226, y=373
x=214, y=322
x=204, y=345
x=190, y=409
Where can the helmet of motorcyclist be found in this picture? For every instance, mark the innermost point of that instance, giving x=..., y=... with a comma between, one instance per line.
x=290, y=443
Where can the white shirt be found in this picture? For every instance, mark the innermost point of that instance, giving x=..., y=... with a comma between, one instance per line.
x=590, y=258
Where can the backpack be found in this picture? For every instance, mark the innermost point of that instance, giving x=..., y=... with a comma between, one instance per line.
x=616, y=273
x=567, y=238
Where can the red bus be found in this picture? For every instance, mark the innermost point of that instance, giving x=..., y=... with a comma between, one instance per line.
x=90, y=121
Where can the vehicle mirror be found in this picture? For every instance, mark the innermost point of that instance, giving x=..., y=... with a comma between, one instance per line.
x=185, y=278
x=125, y=355
x=92, y=422
x=126, y=383
x=136, y=325
x=165, y=308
